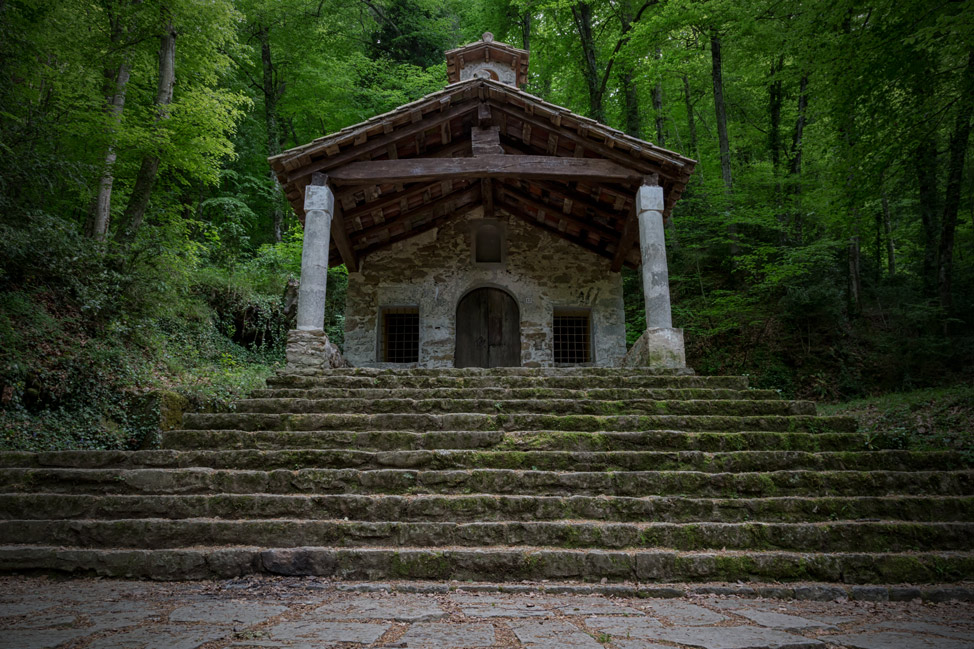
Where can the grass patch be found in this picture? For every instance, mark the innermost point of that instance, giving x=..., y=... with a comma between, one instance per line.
x=930, y=419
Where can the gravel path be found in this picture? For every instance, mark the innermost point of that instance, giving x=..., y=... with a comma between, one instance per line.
x=293, y=613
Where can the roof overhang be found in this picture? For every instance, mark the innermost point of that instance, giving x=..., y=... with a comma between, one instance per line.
x=480, y=142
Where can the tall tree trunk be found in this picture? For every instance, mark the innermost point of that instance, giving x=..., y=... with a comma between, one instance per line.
x=888, y=229
x=798, y=135
x=582, y=13
x=955, y=174
x=925, y=166
x=691, y=122
x=658, y=106
x=797, y=147
x=855, y=280
x=272, y=122
x=721, y=111
x=526, y=30
x=100, y=217
x=145, y=181
x=630, y=96
x=775, y=97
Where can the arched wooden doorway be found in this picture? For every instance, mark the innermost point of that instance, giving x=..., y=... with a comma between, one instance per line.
x=488, y=330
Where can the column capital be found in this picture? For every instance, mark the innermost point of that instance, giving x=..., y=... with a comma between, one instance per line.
x=649, y=197
x=319, y=197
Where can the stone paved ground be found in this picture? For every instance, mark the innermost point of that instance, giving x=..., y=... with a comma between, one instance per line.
x=292, y=613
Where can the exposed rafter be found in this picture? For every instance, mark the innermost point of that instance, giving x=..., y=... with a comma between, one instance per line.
x=485, y=166
x=480, y=142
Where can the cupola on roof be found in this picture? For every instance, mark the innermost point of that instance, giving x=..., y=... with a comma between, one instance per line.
x=487, y=59
x=482, y=141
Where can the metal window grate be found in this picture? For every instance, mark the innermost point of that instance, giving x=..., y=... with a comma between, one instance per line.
x=572, y=330
x=400, y=335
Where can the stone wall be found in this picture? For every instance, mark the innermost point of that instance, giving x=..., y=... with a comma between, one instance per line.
x=434, y=270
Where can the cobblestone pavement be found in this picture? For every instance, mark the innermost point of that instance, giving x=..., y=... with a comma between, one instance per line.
x=293, y=613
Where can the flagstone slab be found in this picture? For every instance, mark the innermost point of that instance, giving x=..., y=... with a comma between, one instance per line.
x=397, y=608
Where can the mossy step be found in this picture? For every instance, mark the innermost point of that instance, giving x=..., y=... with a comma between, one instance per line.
x=494, y=372
x=555, y=381
x=493, y=481
x=535, y=406
x=156, y=533
x=605, y=394
x=479, y=421
x=494, y=564
x=622, y=461
x=487, y=507
x=657, y=440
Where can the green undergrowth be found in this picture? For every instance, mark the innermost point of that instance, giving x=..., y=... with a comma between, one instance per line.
x=930, y=419
x=101, y=344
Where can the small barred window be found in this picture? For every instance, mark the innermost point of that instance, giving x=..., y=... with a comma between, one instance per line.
x=573, y=336
x=400, y=334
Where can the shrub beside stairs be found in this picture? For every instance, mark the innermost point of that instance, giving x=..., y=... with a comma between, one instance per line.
x=499, y=475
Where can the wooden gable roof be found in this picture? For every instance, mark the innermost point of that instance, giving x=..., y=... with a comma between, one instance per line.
x=480, y=142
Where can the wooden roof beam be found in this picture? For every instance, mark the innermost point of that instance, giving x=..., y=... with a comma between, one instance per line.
x=381, y=142
x=630, y=234
x=339, y=235
x=468, y=194
x=603, y=209
x=486, y=141
x=603, y=231
x=486, y=166
x=609, y=153
x=391, y=200
x=463, y=202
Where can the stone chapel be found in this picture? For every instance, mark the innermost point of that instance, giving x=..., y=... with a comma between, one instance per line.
x=483, y=227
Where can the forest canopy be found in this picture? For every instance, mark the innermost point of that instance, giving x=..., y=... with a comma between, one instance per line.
x=824, y=246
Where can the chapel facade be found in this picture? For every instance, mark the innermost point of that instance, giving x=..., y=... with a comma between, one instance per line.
x=483, y=227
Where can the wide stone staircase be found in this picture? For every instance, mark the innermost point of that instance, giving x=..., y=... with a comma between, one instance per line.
x=500, y=475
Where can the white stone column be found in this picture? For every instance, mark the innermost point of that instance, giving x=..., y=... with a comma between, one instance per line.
x=652, y=245
x=308, y=348
x=661, y=346
x=319, y=205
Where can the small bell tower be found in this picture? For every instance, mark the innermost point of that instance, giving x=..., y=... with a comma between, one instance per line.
x=487, y=59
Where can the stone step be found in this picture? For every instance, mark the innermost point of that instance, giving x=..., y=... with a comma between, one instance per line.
x=625, y=461
x=155, y=533
x=495, y=564
x=734, y=407
x=653, y=440
x=493, y=481
x=498, y=372
x=487, y=507
x=605, y=394
x=480, y=421
x=566, y=381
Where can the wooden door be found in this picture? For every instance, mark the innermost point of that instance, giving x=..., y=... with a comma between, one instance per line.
x=488, y=330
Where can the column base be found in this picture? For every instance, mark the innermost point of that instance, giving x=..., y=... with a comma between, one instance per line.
x=311, y=350
x=659, y=348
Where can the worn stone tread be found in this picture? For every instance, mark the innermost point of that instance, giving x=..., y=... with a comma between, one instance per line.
x=647, y=440
x=486, y=507
x=497, y=481
x=494, y=563
x=482, y=421
x=830, y=536
x=598, y=394
x=729, y=407
x=506, y=474
x=446, y=459
x=507, y=381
